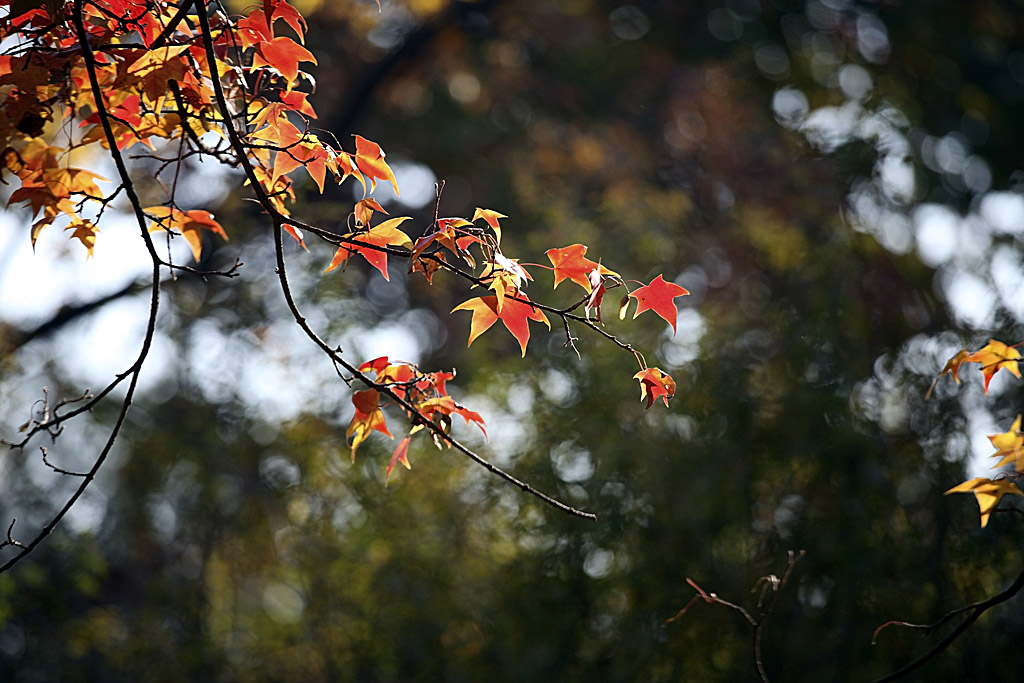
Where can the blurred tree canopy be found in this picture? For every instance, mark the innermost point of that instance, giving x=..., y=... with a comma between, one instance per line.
x=838, y=185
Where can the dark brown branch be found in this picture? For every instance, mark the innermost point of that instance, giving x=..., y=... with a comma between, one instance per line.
x=172, y=25
x=10, y=539
x=279, y=221
x=16, y=339
x=770, y=585
x=975, y=611
x=122, y=170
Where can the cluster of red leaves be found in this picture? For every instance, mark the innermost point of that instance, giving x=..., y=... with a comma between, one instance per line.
x=425, y=393
x=133, y=71
x=993, y=357
x=169, y=84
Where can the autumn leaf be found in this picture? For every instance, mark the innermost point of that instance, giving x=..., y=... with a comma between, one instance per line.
x=952, y=366
x=655, y=384
x=987, y=492
x=994, y=357
x=400, y=455
x=597, y=290
x=659, y=297
x=448, y=235
x=571, y=264
x=491, y=218
x=1009, y=445
x=85, y=231
x=368, y=417
x=446, y=405
x=506, y=276
x=365, y=208
x=190, y=224
x=284, y=55
x=280, y=9
x=370, y=161
x=384, y=235
x=428, y=265
x=514, y=315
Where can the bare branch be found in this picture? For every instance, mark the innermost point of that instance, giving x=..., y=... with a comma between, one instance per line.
x=974, y=612
x=770, y=586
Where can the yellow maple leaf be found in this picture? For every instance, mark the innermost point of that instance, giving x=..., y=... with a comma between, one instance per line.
x=1009, y=445
x=995, y=356
x=988, y=493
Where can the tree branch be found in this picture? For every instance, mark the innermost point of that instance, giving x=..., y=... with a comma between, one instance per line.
x=136, y=367
x=975, y=611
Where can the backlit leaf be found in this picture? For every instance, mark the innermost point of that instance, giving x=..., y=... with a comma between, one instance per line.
x=987, y=492
x=659, y=297
x=655, y=384
x=514, y=315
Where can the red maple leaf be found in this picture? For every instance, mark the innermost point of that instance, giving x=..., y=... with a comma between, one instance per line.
x=655, y=384
x=400, y=455
x=369, y=159
x=367, y=418
x=283, y=54
x=514, y=314
x=658, y=297
x=384, y=235
x=188, y=223
x=570, y=263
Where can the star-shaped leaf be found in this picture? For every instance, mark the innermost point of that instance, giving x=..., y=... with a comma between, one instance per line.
x=368, y=417
x=659, y=297
x=988, y=493
x=514, y=314
x=491, y=217
x=952, y=367
x=384, y=235
x=191, y=224
x=571, y=264
x=401, y=455
x=370, y=161
x=283, y=54
x=994, y=357
x=1009, y=445
x=85, y=231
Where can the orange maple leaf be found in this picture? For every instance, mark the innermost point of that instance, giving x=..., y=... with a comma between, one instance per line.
x=448, y=235
x=659, y=297
x=384, y=235
x=993, y=357
x=427, y=266
x=190, y=224
x=655, y=384
x=988, y=493
x=952, y=366
x=85, y=231
x=283, y=54
x=491, y=218
x=365, y=208
x=401, y=455
x=370, y=161
x=571, y=264
x=514, y=315
x=280, y=9
x=368, y=417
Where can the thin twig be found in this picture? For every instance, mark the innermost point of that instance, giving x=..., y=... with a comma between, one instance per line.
x=770, y=586
x=122, y=170
x=279, y=221
x=975, y=611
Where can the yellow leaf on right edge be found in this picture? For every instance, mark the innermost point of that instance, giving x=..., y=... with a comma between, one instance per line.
x=988, y=493
x=1009, y=445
